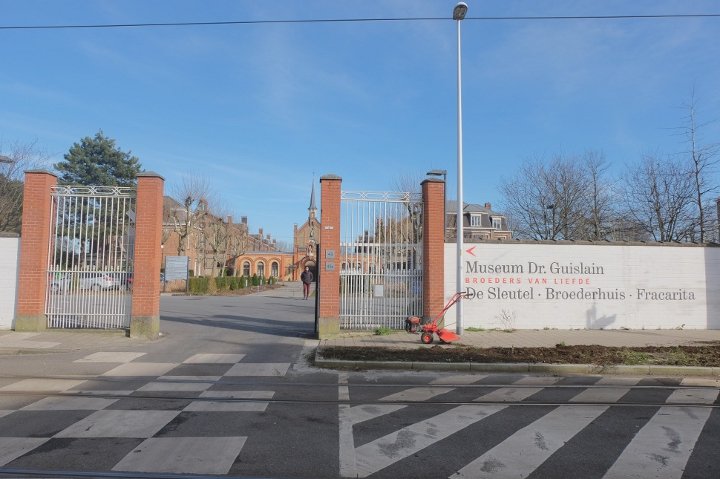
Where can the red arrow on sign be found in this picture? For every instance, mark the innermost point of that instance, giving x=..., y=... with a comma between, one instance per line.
x=470, y=251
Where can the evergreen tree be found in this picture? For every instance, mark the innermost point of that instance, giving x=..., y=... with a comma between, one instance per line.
x=97, y=161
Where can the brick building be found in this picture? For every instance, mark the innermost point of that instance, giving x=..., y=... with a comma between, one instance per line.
x=305, y=240
x=480, y=222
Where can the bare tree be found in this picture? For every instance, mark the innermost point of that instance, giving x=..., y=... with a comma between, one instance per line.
x=563, y=199
x=602, y=214
x=216, y=227
x=703, y=160
x=184, y=220
x=237, y=243
x=658, y=196
x=19, y=158
x=528, y=203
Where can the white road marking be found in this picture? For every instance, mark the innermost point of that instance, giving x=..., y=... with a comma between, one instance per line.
x=692, y=381
x=208, y=358
x=398, y=445
x=140, y=369
x=183, y=455
x=520, y=454
x=70, y=404
x=459, y=379
x=343, y=388
x=158, y=386
x=617, y=381
x=538, y=380
x=417, y=394
x=258, y=369
x=227, y=406
x=237, y=394
x=601, y=395
x=365, y=412
x=693, y=395
x=39, y=385
x=13, y=447
x=663, y=446
x=110, y=357
x=508, y=394
x=118, y=423
x=348, y=467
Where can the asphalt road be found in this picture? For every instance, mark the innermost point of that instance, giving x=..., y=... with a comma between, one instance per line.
x=227, y=391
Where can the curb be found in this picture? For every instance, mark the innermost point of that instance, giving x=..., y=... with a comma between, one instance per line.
x=535, y=368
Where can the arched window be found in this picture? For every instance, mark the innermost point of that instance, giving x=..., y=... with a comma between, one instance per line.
x=261, y=269
x=274, y=269
x=246, y=268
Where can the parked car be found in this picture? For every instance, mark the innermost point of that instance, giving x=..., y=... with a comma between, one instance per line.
x=59, y=284
x=129, y=280
x=83, y=280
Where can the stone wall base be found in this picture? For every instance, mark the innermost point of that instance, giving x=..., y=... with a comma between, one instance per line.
x=328, y=327
x=145, y=327
x=31, y=323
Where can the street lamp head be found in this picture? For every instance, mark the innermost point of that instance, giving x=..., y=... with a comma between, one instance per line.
x=459, y=11
x=436, y=173
x=5, y=159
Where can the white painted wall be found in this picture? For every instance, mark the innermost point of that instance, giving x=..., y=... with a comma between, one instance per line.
x=9, y=251
x=522, y=286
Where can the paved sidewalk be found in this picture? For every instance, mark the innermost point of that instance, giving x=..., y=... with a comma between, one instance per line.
x=536, y=338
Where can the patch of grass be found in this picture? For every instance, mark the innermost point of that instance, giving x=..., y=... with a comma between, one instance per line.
x=474, y=330
x=383, y=331
x=561, y=344
x=678, y=357
x=632, y=358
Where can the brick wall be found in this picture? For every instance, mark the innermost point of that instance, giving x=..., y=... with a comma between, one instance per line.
x=145, y=320
x=329, y=268
x=34, y=240
x=433, y=194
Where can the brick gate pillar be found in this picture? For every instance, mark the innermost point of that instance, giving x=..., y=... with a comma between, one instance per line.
x=34, y=250
x=329, y=261
x=433, y=194
x=145, y=316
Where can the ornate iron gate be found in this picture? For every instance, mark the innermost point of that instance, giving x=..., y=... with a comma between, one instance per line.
x=381, y=259
x=90, y=263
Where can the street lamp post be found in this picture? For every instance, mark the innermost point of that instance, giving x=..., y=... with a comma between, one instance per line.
x=458, y=15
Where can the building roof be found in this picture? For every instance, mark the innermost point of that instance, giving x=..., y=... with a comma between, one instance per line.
x=451, y=207
x=312, y=206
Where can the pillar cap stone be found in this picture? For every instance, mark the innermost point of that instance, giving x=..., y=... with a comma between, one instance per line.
x=41, y=171
x=330, y=177
x=432, y=180
x=150, y=174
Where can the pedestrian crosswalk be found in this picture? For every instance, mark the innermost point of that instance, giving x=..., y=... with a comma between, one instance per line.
x=203, y=413
x=658, y=442
x=80, y=416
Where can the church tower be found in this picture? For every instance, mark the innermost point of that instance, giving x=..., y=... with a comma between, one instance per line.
x=306, y=238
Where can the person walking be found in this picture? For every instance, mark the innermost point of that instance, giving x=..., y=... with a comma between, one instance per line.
x=306, y=277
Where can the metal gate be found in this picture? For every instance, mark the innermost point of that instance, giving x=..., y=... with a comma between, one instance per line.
x=90, y=261
x=381, y=259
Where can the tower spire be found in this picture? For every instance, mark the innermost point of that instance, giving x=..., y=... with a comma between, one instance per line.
x=312, y=209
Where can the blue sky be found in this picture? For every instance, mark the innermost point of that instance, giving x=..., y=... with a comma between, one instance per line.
x=257, y=109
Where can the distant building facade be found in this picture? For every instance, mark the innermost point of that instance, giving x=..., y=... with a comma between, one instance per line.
x=480, y=222
x=212, y=243
x=305, y=240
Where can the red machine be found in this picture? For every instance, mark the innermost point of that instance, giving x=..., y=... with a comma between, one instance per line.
x=413, y=323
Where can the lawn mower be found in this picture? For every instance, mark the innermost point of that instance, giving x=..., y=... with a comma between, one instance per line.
x=413, y=324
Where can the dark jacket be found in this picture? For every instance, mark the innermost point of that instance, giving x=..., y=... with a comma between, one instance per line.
x=306, y=277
